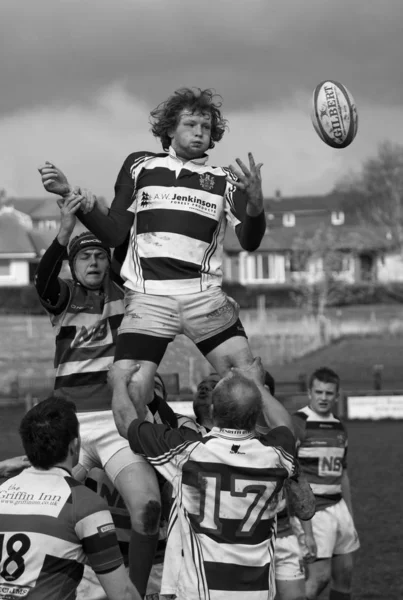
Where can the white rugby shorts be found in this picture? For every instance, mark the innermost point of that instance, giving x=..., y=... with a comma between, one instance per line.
x=334, y=531
x=102, y=446
x=287, y=559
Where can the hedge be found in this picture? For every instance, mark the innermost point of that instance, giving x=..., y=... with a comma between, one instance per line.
x=342, y=294
x=20, y=300
x=24, y=299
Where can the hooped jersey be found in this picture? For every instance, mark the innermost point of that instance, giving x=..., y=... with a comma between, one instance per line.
x=50, y=526
x=322, y=453
x=181, y=213
x=226, y=486
x=86, y=333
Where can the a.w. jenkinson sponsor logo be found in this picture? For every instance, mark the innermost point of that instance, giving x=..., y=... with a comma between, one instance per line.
x=106, y=529
x=146, y=201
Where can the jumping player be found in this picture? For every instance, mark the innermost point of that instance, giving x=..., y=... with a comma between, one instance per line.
x=175, y=209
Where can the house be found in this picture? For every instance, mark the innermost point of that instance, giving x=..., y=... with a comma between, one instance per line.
x=16, y=250
x=285, y=256
x=27, y=227
x=307, y=234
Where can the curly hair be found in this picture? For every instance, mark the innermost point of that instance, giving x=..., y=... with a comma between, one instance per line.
x=165, y=117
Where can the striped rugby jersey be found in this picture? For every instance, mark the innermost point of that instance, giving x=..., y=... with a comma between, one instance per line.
x=322, y=454
x=50, y=526
x=176, y=215
x=86, y=334
x=226, y=487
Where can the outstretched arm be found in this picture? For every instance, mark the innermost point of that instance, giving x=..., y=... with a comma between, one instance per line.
x=245, y=199
x=124, y=409
x=273, y=411
x=53, y=291
x=110, y=226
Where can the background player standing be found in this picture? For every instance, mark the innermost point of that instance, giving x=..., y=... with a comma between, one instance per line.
x=330, y=536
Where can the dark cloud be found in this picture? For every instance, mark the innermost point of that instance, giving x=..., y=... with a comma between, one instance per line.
x=253, y=52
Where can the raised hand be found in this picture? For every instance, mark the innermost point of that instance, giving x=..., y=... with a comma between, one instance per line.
x=121, y=372
x=250, y=181
x=54, y=180
x=254, y=371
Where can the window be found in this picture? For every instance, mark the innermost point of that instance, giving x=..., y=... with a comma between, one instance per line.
x=340, y=263
x=337, y=218
x=47, y=224
x=288, y=219
x=260, y=267
x=4, y=268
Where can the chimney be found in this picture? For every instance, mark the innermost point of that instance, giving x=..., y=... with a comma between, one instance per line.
x=277, y=195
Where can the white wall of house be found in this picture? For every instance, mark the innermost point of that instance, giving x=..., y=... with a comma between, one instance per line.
x=390, y=268
x=14, y=272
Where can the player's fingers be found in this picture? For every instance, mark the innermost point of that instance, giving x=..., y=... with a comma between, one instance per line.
x=251, y=161
x=258, y=167
x=238, y=184
x=243, y=167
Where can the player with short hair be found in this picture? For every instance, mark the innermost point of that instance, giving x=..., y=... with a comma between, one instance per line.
x=175, y=209
x=51, y=525
x=86, y=311
x=330, y=537
x=226, y=485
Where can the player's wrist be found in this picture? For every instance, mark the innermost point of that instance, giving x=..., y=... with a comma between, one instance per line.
x=253, y=209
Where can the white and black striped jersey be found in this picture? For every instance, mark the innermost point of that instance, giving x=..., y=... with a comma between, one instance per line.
x=175, y=215
x=227, y=486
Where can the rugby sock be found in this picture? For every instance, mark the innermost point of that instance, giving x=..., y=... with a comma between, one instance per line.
x=142, y=550
x=335, y=595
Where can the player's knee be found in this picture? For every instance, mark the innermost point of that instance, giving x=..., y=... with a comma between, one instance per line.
x=151, y=517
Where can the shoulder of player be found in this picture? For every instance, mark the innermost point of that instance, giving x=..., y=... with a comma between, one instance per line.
x=84, y=500
x=135, y=159
x=279, y=437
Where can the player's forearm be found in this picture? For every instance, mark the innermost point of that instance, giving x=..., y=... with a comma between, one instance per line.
x=274, y=412
x=346, y=491
x=47, y=281
x=300, y=497
x=251, y=231
x=111, y=228
x=124, y=411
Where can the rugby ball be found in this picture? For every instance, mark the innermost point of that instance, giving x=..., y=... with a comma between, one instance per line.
x=334, y=114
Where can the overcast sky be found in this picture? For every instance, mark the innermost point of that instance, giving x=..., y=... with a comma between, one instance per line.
x=79, y=78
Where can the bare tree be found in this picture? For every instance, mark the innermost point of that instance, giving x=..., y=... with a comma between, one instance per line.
x=379, y=190
x=321, y=256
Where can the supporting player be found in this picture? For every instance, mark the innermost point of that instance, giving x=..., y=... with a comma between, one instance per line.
x=51, y=525
x=176, y=208
x=222, y=541
x=330, y=537
x=85, y=312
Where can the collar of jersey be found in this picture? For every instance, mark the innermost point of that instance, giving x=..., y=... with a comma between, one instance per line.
x=198, y=161
x=237, y=434
x=52, y=471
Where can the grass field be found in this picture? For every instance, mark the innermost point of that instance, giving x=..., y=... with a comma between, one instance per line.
x=375, y=459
